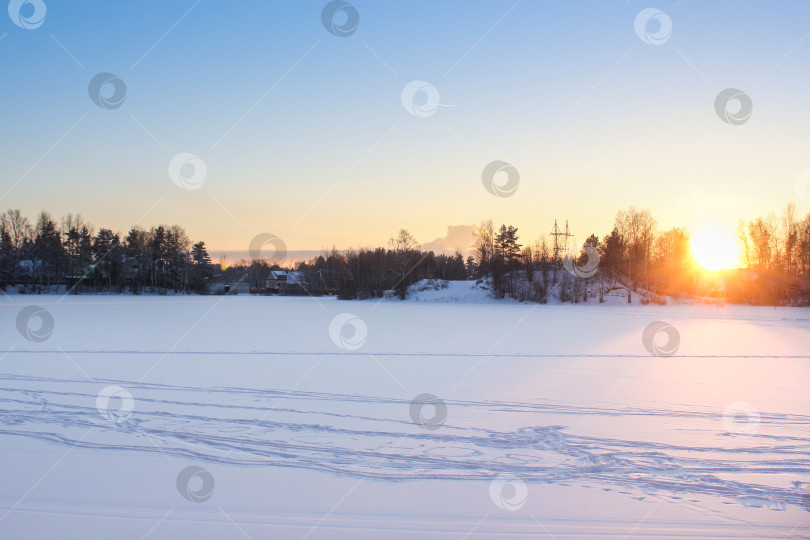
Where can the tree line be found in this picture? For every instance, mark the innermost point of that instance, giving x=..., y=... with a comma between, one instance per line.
x=635, y=256
x=372, y=272
x=45, y=255
x=70, y=255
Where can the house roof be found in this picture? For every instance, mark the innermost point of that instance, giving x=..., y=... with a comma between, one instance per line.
x=287, y=277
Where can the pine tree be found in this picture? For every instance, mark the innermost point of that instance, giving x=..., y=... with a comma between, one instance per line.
x=47, y=250
x=202, y=269
x=6, y=259
x=108, y=257
x=199, y=253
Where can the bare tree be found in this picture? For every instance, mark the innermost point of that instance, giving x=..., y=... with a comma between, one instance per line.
x=403, y=245
x=17, y=226
x=637, y=231
x=790, y=234
x=484, y=246
x=760, y=232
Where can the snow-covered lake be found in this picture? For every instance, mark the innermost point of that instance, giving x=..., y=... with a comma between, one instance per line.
x=317, y=418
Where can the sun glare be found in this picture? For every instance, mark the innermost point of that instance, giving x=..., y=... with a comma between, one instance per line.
x=715, y=248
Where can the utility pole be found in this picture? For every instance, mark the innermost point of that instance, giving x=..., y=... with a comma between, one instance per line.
x=560, y=245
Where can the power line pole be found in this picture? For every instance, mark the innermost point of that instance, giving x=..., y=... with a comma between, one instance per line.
x=560, y=245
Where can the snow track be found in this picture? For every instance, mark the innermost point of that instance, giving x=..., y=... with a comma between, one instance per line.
x=250, y=427
x=306, y=439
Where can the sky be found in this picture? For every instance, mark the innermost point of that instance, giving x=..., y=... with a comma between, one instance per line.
x=304, y=133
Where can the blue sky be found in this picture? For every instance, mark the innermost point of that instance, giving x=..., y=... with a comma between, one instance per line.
x=304, y=135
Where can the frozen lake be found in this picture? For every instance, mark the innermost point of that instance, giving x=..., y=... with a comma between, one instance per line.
x=318, y=418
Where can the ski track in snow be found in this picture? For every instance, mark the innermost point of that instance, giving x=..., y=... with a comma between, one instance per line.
x=250, y=427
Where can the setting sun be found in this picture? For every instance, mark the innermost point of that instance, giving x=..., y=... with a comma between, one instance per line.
x=715, y=248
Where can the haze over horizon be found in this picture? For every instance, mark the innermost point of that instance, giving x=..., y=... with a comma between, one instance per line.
x=306, y=135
